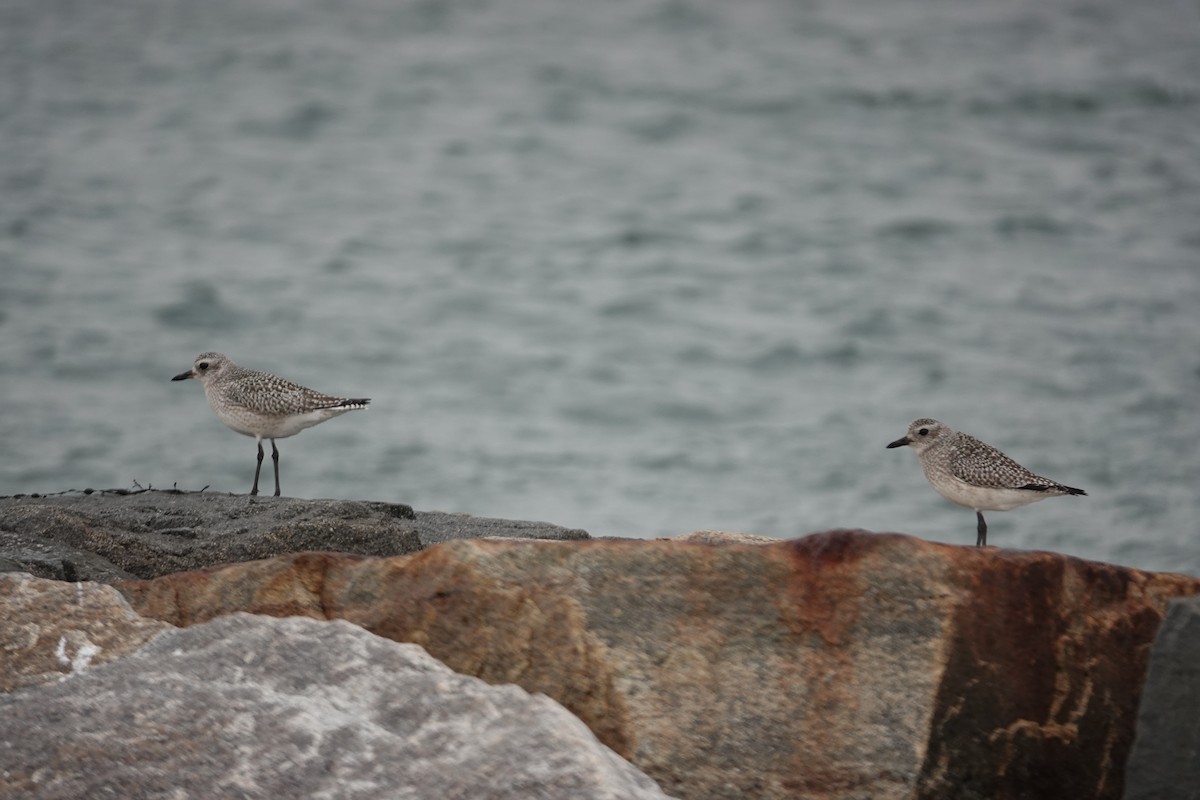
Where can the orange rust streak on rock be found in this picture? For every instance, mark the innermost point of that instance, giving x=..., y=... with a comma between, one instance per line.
x=827, y=585
x=1034, y=667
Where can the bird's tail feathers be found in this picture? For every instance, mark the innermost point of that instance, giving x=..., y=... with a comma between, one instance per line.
x=1052, y=487
x=351, y=403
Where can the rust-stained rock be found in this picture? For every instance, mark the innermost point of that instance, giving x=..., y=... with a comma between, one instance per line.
x=842, y=665
x=49, y=629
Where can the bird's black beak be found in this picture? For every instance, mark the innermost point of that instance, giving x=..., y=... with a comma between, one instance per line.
x=903, y=440
x=183, y=376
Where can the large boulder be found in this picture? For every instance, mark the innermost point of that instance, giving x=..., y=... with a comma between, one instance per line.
x=843, y=665
x=107, y=536
x=254, y=707
x=1165, y=762
x=49, y=629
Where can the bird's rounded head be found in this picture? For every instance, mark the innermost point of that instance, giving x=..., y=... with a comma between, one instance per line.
x=206, y=367
x=922, y=434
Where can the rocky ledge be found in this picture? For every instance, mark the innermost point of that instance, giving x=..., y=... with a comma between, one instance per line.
x=116, y=534
x=845, y=664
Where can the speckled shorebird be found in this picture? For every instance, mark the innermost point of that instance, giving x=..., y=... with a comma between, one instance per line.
x=973, y=474
x=263, y=405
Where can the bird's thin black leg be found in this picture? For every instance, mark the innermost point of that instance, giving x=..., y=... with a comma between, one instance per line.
x=981, y=539
x=275, y=458
x=257, y=469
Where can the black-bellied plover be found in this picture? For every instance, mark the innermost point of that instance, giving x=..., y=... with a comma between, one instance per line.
x=973, y=474
x=263, y=405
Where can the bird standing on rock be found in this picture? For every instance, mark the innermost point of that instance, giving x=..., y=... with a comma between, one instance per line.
x=975, y=475
x=263, y=405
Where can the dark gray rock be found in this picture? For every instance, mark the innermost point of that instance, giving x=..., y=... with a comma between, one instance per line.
x=109, y=536
x=1165, y=761
x=248, y=706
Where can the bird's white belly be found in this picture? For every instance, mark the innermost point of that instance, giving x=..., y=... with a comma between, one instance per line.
x=981, y=498
x=274, y=426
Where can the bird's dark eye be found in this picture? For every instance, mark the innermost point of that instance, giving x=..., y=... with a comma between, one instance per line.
x=202, y=365
x=924, y=431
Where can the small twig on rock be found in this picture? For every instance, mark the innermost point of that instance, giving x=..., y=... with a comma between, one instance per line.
x=138, y=489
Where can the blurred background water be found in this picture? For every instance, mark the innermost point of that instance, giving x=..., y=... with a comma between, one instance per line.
x=635, y=267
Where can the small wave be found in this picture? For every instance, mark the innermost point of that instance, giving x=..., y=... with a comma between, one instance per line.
x=1083, y=101
x=778, y=357
x=302, y=123
x=611, y=415
x=633, y=306
x=764, y=241
x=637, y=236
x=917, y=229
x=697, y=355
x=353, y=252
x=683, y=411
x=1158, y=405
x=842, y=354
x=675, y=16
x=1157, y=95
x=684, y=460
x=1032, y=224
x=398, y=456
x=662, y=128
x=1140, y=506
x=1040, y=101
x=878, y=323
x=200, y=309
x=901, y=98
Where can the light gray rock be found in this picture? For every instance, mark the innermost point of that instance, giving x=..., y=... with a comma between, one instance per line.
x=110, y=536
x=438, y=526
x=258, y=707
x=49, y=629
x=723, y=537
x=1165, y=761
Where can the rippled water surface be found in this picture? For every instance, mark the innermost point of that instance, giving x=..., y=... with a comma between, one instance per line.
x=635, y=267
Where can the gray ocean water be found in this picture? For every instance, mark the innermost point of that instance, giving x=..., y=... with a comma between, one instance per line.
x=635, y=267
